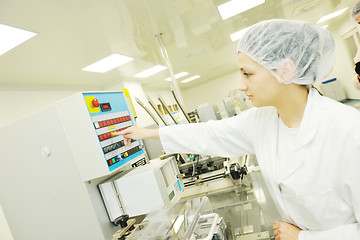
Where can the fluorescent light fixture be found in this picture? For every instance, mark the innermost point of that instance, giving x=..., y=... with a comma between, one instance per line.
x=190, y=79
x=234, y=7
x=237, y=35
x=12, y=37
x=179, y=75
x=332, y=15
x=150, y=71
x=108, y=63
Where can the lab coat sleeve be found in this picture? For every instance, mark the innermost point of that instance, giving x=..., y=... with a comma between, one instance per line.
x=226, y=138
x=350, y=180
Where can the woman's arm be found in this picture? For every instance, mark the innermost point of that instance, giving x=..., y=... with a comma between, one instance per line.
x=228, y=137
x=137, y=133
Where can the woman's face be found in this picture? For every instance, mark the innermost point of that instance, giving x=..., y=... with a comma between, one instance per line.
x=260, y=86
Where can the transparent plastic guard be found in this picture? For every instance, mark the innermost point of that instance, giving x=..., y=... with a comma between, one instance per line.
x=191, y=219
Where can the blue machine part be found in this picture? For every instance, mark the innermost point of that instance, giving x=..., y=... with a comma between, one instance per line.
x=110, y=113
x=179, y=185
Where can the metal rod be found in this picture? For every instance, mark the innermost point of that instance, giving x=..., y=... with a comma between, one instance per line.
x=157, y=111
x=181, y=107
x=167, y=109
x=168, y=63
x=147, y=110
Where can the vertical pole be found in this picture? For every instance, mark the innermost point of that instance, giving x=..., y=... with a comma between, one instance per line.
x=174, y=85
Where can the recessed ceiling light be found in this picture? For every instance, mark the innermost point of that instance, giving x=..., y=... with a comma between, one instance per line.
x=234, y=7
x=237, y=35
x=108, y=63
x=150, y=71
x=179, y=75
x=190, y=79
x=332, y=15
x=11, y=37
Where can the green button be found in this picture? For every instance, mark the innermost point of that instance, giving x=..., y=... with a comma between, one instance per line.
x=113, y=160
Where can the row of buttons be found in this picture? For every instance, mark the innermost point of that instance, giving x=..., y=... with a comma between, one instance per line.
x=123, y=155
x=113, y=161
x=113, y=121
x=108, y=135
x=131, y=151
x=113, y=147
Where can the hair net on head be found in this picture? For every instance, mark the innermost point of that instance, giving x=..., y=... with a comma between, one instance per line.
x=271, y=43
x=355, y=11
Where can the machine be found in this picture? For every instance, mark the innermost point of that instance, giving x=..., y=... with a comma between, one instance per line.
x=52, y=161
x=143, y=190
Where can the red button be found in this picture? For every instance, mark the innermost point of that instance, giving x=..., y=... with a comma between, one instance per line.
x=101, y=137
x=101, y=124
x=108, y=135
x=95, y=102
x=108, y=123
x=111, y=122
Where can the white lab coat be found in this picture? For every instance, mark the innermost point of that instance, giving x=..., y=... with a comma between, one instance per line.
x=321, y=192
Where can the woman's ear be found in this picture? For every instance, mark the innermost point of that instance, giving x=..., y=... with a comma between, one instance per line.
x=286, y=71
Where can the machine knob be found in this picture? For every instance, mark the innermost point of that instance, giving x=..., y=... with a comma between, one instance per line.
x=122, y=220
x=95, y=102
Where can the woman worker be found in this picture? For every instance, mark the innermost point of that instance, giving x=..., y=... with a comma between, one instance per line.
x=307, y=145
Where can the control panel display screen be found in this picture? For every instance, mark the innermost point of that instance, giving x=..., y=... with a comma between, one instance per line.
x=105, y=107
x=109, y=113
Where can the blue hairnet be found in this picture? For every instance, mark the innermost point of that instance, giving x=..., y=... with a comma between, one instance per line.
x=355, y=11
x=311, y=48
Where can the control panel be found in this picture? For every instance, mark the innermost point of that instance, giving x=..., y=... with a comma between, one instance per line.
x=109, y=113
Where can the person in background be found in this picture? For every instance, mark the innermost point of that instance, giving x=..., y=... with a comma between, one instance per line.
x=307, y=145
x=355, y=15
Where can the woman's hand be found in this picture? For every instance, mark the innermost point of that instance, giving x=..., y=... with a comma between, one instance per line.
x=137, y=133
x=285, y=231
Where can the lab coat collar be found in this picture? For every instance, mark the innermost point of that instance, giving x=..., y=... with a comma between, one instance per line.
x=310, y=122
x=311, y=118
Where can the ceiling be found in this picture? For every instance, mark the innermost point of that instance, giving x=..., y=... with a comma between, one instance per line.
x=75, y=33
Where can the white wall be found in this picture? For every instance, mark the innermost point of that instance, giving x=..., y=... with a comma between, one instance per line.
x=211, y=91
x=19, y=103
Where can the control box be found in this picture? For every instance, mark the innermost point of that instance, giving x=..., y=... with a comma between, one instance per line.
x=98, y=115
x=110, y=113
